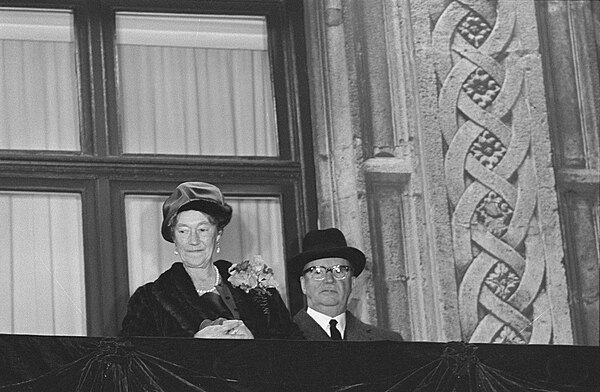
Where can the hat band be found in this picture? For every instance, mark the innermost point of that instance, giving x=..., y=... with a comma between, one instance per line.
x=324, y=246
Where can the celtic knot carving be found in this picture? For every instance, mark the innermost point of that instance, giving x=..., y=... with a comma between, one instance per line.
x=508, y=336
x=489, y=174
x=474, y=29
x=487, y=149
x=481, y=88
x=502, y=281
x=494, y=214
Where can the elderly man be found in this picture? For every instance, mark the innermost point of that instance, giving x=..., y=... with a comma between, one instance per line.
x=327, y=268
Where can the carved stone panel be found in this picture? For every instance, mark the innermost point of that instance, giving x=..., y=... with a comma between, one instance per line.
x=498, y=174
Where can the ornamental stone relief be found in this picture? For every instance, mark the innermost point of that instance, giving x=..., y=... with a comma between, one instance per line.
x=490, y=176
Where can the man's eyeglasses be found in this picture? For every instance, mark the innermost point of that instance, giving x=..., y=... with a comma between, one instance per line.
x=318, y=272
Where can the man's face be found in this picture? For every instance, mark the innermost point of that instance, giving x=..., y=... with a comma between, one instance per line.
x=328, y=296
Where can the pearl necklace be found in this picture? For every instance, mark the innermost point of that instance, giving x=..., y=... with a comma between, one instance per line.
x=217, y=281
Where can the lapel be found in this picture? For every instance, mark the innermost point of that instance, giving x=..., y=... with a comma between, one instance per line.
x=240, y=303
x=175, y=291
x=309, y=327
x=355, y=330
x=224, y=291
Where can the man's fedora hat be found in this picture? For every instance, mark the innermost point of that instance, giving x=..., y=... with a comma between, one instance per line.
x=320, y=244
x=199, y=196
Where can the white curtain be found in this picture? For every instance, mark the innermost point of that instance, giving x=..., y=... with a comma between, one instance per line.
x=255, y=229
x=41, y=264
x=185, y=91
x=38, y=84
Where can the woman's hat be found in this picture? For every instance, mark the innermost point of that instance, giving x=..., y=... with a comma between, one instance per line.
x=320, y=244
x=199, y=196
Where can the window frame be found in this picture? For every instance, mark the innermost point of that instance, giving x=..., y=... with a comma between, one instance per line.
x=272, y=12
x=103, y=174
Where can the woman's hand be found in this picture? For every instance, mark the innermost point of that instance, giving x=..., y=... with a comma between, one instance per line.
x=229, y=329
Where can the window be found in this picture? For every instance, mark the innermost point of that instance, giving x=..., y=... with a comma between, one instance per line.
x=41, y=266
x=106, y=107
x=205, y=79
x=38, y=94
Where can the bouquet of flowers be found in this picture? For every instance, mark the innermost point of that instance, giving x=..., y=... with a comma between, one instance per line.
x=254, y=277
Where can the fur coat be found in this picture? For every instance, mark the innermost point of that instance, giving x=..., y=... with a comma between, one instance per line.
x=356, y=330
x=170, y=307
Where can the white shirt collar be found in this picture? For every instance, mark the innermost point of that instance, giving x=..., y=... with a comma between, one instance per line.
x=323, y=321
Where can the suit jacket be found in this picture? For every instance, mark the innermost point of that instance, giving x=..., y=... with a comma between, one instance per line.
x=356, y=330
x=170, y=307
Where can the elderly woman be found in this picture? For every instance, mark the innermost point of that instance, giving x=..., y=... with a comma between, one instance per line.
x=194, y=297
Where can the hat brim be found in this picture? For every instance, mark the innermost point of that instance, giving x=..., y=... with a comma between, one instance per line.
x=355, y=257
x=221, y=213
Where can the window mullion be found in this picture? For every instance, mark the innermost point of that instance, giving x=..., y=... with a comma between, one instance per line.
x=99, y=78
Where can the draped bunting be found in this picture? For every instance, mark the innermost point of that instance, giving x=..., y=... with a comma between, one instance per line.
x=43, y=363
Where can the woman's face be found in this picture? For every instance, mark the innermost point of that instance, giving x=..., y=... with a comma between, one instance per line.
x=195, y=235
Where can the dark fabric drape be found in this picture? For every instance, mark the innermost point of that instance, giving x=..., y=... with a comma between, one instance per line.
x=45, y=363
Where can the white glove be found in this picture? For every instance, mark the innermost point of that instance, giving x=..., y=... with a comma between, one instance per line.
x=229, y=329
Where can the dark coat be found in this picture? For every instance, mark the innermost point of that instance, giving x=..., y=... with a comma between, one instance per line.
x=356, y=330
x=170, y=307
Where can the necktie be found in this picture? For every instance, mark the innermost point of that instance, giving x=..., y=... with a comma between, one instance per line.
x=335, y=333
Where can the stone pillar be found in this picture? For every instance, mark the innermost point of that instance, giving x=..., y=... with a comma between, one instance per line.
x=337, y=140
